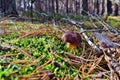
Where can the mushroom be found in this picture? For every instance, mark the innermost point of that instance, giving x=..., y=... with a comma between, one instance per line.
x=73, y=39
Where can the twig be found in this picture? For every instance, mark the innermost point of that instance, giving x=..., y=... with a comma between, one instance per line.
x=93, y=30
x=79, y=58
x=113, y=64
x=95, y=64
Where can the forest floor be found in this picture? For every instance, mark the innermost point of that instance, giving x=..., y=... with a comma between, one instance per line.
x=35, y=51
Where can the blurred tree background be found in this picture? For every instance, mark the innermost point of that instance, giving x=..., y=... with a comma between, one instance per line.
x=19, y=7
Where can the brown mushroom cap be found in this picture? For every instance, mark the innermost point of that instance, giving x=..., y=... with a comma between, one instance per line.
x=72, y=37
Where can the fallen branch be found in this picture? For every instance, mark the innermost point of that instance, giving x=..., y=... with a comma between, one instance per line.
x=111, y=29
x=93, y=30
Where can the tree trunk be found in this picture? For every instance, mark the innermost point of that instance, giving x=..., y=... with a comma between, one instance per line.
x=96, y=7
x=119, y=10
x=38, y=6
x=50, y=6
x=46, y=6
x=101, y=7
x=90, y=6
x=109, y=7
x=85, y=5
x=67, y=11
x=57, y=6
x=115, y=9
x=71, y=6
x=53, y=7
x=105, y=6
x=8, y=7
x=3, y=6
x=77, y=6
x=81, y=6
x=19, y=6
x=62, y=6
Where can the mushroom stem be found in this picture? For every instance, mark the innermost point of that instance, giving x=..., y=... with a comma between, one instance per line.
x=71, y=46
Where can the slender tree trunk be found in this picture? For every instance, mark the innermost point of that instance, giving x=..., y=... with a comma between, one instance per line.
x=25, y=5
x=74, y=7
x=57, y=6
x=71, y=6
x=105, y=6
x=96, y=8
x=115, y=9
x=93, y=6
x=101, y=7
x=90, y=6
x=53, y=7
x=77, y=6
x=81, y=8
x=46, y=6
x=109, y=7
x=85, y=6
x=2, y=6
x=50, y=4
x=119, y=10
x=60, y=7
x=38, y=6
x=67, y=11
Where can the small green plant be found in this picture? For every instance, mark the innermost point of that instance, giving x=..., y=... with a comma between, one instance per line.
x=6, y=72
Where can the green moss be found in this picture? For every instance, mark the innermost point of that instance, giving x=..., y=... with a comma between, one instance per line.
x=114, y=23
